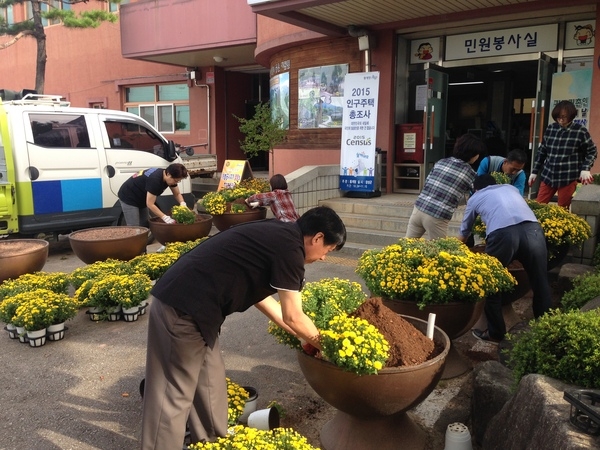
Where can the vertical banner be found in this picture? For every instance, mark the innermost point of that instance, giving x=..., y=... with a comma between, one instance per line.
x=359, y=129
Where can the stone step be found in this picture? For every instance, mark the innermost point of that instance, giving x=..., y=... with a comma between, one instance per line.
x=376, y=223
x=358, y=240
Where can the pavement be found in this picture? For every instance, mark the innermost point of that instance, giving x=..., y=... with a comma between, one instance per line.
x=82, y=392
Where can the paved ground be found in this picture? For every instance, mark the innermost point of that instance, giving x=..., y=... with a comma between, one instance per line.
x=81, y=393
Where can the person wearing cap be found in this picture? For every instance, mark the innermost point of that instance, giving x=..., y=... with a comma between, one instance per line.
x=139, y=193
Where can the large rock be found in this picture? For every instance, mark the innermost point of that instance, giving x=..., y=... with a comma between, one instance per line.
x=592, y=304
x=568, y=272
x=491, y=390
x=536, y=417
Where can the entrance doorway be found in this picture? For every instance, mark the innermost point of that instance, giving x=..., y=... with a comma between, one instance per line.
x=499, y=102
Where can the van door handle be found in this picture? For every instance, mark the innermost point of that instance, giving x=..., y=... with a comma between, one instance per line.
x=111, y=171
x=34, y=174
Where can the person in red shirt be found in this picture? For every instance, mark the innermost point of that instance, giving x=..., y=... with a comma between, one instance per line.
x=279, y=199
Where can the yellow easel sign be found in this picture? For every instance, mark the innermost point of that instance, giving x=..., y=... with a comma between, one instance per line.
x=233, y=172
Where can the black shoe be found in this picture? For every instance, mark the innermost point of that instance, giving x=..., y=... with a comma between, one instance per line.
x=484, y=336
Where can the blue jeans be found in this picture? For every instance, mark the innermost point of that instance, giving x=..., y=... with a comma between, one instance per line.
x=524, y=242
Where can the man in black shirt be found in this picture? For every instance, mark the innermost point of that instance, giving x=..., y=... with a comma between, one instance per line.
x=229, y=272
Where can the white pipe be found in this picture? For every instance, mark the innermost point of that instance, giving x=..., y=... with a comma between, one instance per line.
x=430, y=325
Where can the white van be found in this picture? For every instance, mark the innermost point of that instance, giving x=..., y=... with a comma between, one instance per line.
x=61, y=167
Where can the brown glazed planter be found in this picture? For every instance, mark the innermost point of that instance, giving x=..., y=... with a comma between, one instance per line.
x=226, y=220
x=372, y=408
x=454, y=318
x=21, y=256
x=99, y=244
x=179, y=232
x=516, y=270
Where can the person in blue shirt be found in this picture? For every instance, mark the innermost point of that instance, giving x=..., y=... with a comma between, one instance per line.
x=512, y=166
x=512, y=233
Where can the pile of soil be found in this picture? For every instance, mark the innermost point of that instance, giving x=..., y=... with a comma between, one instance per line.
x=408, y=346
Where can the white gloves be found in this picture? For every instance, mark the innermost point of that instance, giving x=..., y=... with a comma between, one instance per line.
x=586, y=177
x=183, y=204
x=532, y=178
x=167, y=219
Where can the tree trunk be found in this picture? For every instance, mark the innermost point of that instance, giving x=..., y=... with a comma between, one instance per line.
x=40, y=37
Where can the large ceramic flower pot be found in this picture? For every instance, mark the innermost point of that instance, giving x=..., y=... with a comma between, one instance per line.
x=516, y=270
x=454, y=318
x=179, y=232
x=372, y=408
x=226, y=220
x=21, y=256
x=99, y=244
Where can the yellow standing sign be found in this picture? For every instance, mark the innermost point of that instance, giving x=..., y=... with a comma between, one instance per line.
x=233, y=172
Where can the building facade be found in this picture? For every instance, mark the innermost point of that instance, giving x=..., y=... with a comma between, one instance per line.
x=493, y=68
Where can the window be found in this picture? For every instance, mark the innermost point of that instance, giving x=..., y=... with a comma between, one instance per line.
x=57, y=4
x=59, y=131
x=134, y=136
x=114, y=7
x=8, y=15
x=165, y=106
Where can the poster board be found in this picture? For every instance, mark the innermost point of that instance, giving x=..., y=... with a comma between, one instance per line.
x=234, y=171
x=359, y=131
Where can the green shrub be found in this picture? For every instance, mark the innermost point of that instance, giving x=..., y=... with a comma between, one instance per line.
x=596, y=258
x=585, y=288
x=561, y=345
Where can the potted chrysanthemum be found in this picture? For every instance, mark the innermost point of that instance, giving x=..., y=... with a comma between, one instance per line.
x=228, y=206
x=116, y=293
x=188, y=226
x=243, y=437
x=353, y=372
x=38, y=309
x=63, y=306
x=328, y=303
x=562, y=229
x=442, y=276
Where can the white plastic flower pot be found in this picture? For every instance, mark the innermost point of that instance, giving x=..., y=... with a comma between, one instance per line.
x=264, y=419
x=458, y=437
x=250, y=405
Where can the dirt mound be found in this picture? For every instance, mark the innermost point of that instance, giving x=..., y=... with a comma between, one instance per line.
x=408, y=346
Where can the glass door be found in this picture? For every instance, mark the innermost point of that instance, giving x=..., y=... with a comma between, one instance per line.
x=434, y=117
x=540, y=108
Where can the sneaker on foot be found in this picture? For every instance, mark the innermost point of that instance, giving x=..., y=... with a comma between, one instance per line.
x=484, y=335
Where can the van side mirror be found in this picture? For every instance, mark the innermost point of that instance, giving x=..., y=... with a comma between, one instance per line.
x=171, y=152
x=189, y=151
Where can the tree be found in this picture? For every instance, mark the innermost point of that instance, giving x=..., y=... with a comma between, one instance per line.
x=34, y=27
x=262, y=132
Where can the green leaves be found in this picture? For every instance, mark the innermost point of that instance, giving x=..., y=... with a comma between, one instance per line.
x=561, y=345
x=262, y=132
